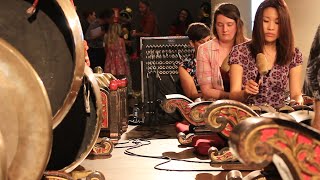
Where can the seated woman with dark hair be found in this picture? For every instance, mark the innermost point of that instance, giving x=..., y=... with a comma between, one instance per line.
x=272, y=38
x=198, y=33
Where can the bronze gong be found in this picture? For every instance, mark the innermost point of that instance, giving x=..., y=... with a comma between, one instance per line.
x=75, y=136
x=51, y=40
x=26, y=118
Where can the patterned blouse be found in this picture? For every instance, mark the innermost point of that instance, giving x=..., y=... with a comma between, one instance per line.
x=313, y=67
x=190, y=65
x=274, y=84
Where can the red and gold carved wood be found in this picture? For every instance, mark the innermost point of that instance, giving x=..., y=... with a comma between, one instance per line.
x=193, y=114
x=87, y=174
x=123, y=104
x=171, y=105
x=103, y=147
x=222, y=115
x=185, y=139
x=114, y=117
x=105, y=114
x=293, y=147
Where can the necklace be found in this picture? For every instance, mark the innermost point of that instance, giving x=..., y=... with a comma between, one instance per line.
x=271, y=57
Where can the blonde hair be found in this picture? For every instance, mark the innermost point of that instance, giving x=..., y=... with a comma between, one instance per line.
x=113, y=33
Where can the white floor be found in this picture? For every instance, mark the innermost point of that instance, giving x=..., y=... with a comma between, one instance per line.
x=163, y=143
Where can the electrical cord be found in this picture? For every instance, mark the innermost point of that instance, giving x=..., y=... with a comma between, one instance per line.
x=143, y=142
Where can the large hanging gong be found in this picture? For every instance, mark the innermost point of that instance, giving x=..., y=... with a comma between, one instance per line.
x=51, y=40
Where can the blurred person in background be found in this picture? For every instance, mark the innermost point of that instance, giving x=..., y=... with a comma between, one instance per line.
x=179, y=26
x=95, y=38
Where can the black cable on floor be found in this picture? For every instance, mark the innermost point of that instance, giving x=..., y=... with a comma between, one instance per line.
x=141, y=142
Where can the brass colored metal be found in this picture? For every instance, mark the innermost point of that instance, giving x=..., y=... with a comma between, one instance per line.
x=26, y=117
x=75, y=27
x=278, y=115
x=302, y=115
x=98, y=70
x=76, y=135
x=286, y=108
x=3, y=159
x=52, y=43
x=102, y=80
x=96, y=91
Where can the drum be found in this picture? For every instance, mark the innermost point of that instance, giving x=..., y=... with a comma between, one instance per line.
x=26, y=117
x=76, y=135
x=51, y=40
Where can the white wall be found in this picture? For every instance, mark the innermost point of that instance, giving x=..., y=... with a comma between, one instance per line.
x=305, y=20
x=305, y=17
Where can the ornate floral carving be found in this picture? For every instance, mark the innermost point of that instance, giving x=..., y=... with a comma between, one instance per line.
x=257, y=140
x=224, y=155
x=103, y=146
x=223, y=115
x=185, y=139
x=193, y=114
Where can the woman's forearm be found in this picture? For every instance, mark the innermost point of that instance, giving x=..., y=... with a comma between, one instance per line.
x=239, y=96
x=215, y=94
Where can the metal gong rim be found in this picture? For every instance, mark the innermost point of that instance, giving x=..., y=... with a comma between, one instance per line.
x=51, y=40
x=97, y=125
x=75, y=27
x=75, y=136
x=26, y=117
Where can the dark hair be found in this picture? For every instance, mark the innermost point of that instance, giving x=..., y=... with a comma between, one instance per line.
x=189, y=18
x=106, y=14
x=206, y=7
x=145, y=2
x=230, y=11
x=197, y=31
x=285, y=42
x=86, y=13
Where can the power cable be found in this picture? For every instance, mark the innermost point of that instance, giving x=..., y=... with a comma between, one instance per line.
x=143, y=142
